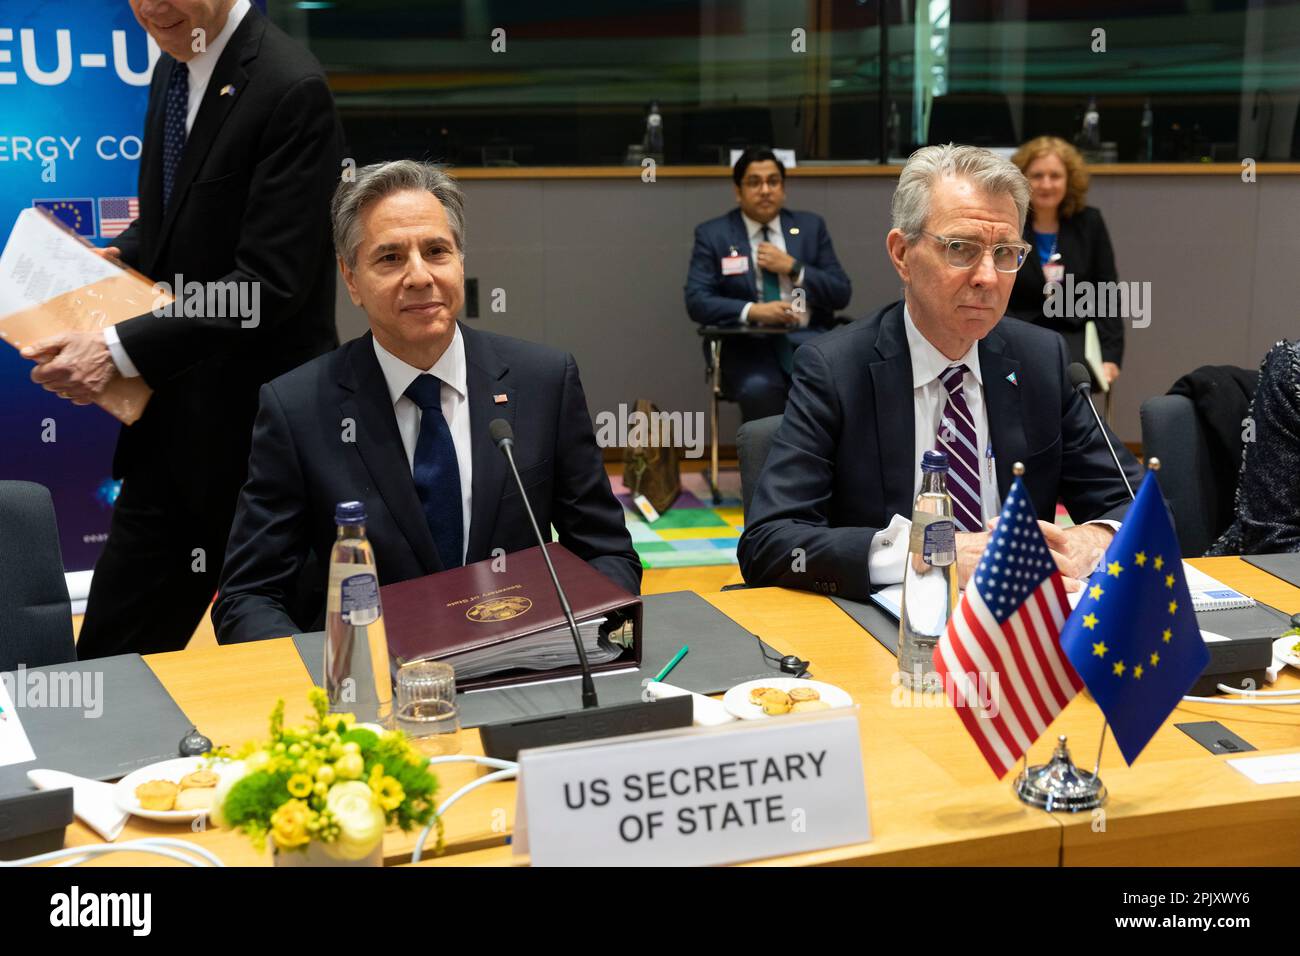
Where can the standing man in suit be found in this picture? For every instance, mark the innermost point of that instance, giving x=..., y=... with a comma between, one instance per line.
x=242, y=148
x=942, y=369
x=764, y=265
x=398, y=419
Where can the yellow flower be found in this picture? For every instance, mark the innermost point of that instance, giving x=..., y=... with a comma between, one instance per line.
x=389, y=793
x=299, y=785
x=289, y=824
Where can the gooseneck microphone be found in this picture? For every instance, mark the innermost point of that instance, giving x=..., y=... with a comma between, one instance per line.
x=503, y=436
x=1081, y=380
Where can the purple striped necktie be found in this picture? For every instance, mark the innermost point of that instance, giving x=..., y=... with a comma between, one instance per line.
x=957, y=438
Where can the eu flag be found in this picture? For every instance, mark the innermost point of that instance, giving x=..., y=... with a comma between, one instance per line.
x=77, y=214
x=1133, y=637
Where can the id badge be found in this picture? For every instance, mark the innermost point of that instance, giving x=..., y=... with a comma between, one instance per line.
x=1054, y=272
x=735, y=265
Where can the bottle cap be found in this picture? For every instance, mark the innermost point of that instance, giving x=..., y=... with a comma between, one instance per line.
x=933, y=461
x=349, y=512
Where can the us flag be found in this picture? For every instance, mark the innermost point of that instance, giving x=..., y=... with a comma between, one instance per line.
x=1000, y=658
x=116, y=213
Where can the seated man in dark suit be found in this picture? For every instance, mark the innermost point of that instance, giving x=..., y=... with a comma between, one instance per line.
x=398, y=419
x=762, y=265
x=942, y=369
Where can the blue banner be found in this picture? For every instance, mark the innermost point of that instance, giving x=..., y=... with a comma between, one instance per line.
x=74, y=83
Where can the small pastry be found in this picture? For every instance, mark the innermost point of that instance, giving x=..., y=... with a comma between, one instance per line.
x=803, y=706
x=196, y=798
x=776, y=702
x=756, y=695
x=804, y=693
x=199, y=779
x=157, y=795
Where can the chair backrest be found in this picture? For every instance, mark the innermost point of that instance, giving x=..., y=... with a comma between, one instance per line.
x=753, y=442
x=35, y=614
x=1172, y=432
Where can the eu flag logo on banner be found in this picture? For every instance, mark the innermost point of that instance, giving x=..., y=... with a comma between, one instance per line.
x=1133, y=637
x=77, y=214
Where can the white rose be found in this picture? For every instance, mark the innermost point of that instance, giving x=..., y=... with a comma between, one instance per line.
x=228, y=775
x=360, y=819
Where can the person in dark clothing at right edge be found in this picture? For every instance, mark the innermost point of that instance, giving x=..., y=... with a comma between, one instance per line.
x=1268, y=492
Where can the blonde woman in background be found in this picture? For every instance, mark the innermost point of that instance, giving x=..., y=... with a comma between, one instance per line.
x=1069, y=237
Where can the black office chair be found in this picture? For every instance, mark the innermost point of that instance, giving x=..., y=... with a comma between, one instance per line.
x=713, y=337
x=753, y=442
x=1171, y=431
x=35, y=614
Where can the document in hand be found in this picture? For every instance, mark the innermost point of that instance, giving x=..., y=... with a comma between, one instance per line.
x=52, y=281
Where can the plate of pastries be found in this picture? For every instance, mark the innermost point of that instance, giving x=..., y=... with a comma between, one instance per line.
x=181, y=789
x=778, y=696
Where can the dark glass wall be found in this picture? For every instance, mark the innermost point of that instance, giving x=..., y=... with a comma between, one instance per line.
x=570, y=82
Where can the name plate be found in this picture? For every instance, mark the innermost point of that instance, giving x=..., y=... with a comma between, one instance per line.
x=695, y=797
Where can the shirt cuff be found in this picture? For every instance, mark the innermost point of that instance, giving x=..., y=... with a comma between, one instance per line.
x=1114, y=527
x=744, y=314
x=799, y=280
x=887, y=556
x=125, y=367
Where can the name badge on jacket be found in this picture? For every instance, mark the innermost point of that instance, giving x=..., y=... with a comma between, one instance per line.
x=736, y=265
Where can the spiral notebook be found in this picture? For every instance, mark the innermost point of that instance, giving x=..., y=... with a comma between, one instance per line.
x=1210, y=594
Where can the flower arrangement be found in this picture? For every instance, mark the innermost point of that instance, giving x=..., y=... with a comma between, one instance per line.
x=332, y=781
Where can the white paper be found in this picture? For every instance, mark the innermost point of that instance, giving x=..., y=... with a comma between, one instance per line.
x=41, y=261
x=707, y=711
x=1283, y=768
x=92, y=800
x=14, y=745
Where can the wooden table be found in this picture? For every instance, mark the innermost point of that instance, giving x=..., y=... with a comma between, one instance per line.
x=932, y=798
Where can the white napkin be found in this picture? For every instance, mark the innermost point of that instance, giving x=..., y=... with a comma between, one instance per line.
x=708, y=712
x=92, y=800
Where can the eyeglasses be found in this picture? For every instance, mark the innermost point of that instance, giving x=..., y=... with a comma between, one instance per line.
x=967, y=253
x=772, y=182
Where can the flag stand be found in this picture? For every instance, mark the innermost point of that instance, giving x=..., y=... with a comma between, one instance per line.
x=1060, y=785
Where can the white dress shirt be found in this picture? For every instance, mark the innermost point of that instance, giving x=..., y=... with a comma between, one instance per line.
x=887, y=555
x=754, y=230
x=201, y=66
x=450, y=368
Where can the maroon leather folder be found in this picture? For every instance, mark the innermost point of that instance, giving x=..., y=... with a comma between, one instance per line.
x=443, y=614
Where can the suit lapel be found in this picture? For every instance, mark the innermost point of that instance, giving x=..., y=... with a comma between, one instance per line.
x=793, y=236
x=229, y=72
x=486, y=378
x=740, y=239
x=366, y=401
x=891, y=379
x=1002, y=407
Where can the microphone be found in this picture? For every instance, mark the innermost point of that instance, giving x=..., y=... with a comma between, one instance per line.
x=503, y=436
x=1081, y=381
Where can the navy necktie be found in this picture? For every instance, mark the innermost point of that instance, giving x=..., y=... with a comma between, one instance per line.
x=177, y=108
x=437, y=472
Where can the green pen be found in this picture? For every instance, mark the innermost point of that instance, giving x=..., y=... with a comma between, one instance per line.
x=672, y=663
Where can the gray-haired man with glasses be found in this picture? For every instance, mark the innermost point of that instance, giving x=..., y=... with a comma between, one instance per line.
x=941, y=369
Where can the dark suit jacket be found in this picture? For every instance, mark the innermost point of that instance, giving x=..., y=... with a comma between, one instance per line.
x=301, y=467
x=842, y=462
x=1084, y=245
x=715, y=299
x=250, y=205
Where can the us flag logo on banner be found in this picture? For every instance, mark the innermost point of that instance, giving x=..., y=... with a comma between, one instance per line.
x=116, y=213
x=1001, y=659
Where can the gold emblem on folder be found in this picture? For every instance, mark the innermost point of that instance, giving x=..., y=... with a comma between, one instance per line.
x=498, y=609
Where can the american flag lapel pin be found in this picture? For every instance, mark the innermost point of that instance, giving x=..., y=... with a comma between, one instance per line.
x=228, y=90
x=500, y=399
